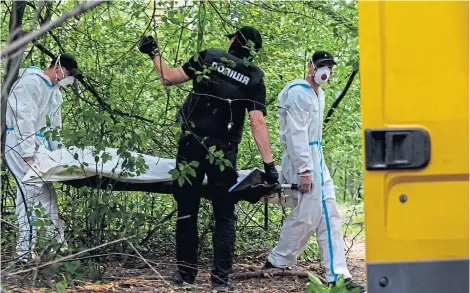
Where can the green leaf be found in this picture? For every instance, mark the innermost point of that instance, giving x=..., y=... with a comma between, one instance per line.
x=222, y=168
x=106, y=157
x=192, y=172
x=70, y=170
x=181, y=181
x=354, y=33
x=356, y=66
x=72, y=266
x=61, y=285
x=314, y=279
x=187, y=179
x=175, y=174
x=83, y=190
x=335, y=30
x=75, y=156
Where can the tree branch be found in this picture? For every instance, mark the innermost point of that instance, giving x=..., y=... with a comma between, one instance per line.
x=340, y=97
x=43, y=49
x=107, y=107
x=220, y=16
x=43, y=21
x=93, y=91
x=44, y=29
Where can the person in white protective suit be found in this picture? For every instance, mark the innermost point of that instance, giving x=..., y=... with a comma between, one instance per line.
x=302, y=103
x=34, y=100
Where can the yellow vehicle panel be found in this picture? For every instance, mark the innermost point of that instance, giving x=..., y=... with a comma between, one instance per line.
x=414, y=70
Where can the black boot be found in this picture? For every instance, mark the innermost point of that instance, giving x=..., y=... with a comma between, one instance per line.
x=179, y=279
x=222, y=287
x=268, y=265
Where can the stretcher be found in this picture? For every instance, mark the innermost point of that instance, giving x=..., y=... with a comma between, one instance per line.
x=85, y=167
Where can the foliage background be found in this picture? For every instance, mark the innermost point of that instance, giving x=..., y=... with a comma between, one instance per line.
x=135, y=112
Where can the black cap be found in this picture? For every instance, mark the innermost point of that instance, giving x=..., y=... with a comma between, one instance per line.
x=68, y=62
x=248, y=33
x=323, y=57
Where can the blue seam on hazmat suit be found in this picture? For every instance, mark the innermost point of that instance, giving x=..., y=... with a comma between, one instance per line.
x=328, y=229
x=38, y=134
x=44, y=140
x=48, y=83
x=300, y=84
x=319, y=146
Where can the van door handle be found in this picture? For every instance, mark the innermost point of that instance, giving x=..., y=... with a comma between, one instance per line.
x=397, y=148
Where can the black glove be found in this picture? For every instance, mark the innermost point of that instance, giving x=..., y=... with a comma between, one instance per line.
x=148, y=45
x=271, y=176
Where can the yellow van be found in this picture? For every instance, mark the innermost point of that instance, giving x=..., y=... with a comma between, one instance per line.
x=414, y=70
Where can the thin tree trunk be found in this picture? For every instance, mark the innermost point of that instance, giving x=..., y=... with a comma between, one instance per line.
x=12, y=62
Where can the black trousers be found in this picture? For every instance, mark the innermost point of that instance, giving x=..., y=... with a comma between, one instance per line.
x=188, y=199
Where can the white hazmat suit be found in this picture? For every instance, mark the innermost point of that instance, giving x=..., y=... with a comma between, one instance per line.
x=31, y=100
x=301, y=116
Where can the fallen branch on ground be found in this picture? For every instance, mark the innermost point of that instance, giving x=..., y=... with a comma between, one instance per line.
x=68, y=257
x=147, y=263
x=274, y=273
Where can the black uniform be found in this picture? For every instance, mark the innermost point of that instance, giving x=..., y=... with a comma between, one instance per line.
x=214, y=113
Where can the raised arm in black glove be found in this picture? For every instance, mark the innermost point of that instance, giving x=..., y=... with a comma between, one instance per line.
x=148, y=45
x=271, y=176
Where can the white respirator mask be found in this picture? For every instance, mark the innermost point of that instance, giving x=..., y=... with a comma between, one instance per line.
x=69, y=80
x=322, y=75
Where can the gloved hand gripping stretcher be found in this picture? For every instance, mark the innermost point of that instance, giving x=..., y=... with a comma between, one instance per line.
x=78, y=168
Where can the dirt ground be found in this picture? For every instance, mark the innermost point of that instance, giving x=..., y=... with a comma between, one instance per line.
x=137, y=276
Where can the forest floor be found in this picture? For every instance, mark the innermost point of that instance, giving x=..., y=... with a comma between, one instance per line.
x=137, y=275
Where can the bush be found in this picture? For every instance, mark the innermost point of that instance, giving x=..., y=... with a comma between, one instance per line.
x=316, y=286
